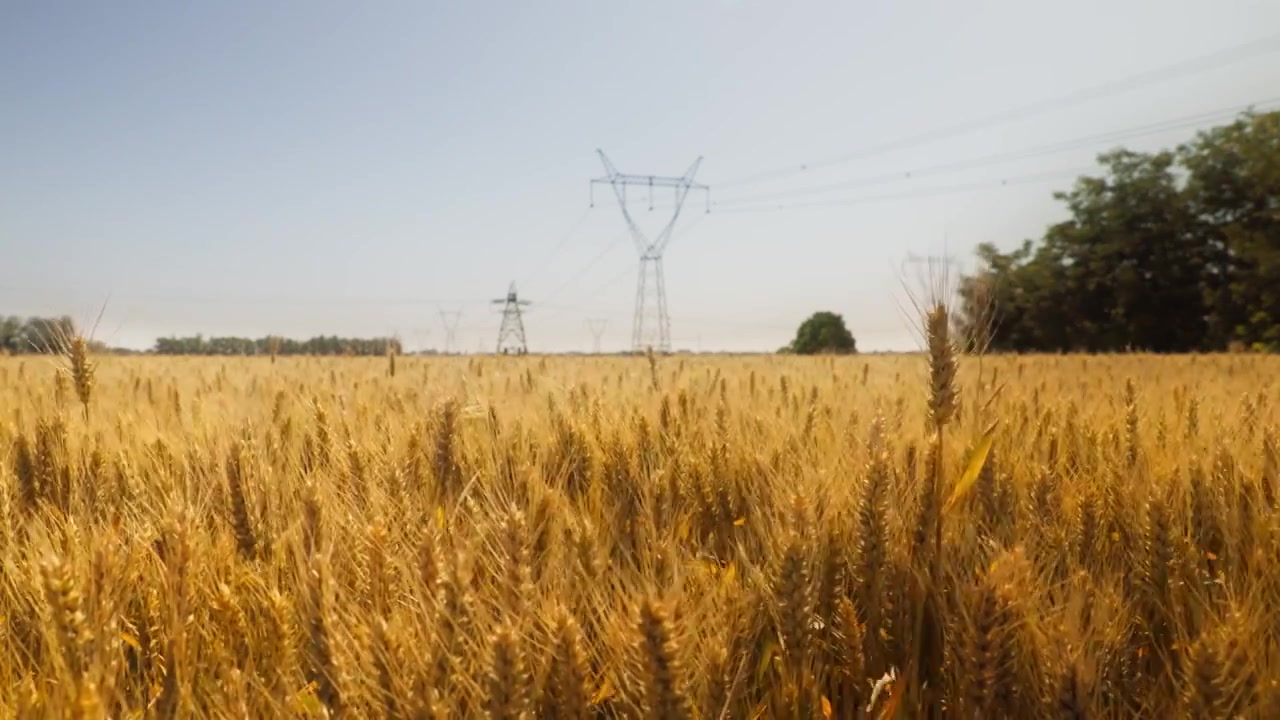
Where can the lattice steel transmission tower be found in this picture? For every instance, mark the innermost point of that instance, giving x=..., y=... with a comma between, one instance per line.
x=596, y=327
x=450, y=319
x=652, y=325
x=511, y=333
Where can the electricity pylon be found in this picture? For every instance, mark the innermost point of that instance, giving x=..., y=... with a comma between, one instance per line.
x=652, y=325
x=933, y=274
x=450, y=319
x=511, y=333
x=596, y=327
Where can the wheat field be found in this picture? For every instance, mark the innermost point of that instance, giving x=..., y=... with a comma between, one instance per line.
x=663, y=537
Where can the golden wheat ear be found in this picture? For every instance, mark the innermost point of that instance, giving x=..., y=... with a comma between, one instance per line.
x=565, y=692
x=507, y=686
x=323, y=668
x=664, y=697
x=82, y=371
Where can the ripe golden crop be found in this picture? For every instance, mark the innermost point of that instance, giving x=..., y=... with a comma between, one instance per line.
x=701, y=537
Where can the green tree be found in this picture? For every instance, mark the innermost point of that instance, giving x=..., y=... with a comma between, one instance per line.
x=11, y=334
x=1164, y=252
x=1131, y=260
x=1233, y=196
x=823, y=332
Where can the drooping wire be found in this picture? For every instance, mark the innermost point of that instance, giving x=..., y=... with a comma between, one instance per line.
x=1215, y=60
x=1008, y=156
x=569, y=235
x=611, y=282
x=921, y=192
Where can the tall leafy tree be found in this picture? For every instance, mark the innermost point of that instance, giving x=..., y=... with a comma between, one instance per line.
x=1165, y=252
x=1233, y=193
x=1129, y=258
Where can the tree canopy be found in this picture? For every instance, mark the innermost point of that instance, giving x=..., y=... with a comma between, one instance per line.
x=1173, y=251
x=823, y=332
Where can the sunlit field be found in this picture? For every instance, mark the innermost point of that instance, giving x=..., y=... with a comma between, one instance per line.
x=669, y=537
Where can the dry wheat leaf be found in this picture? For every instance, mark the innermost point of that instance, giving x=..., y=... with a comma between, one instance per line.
x=977, y=459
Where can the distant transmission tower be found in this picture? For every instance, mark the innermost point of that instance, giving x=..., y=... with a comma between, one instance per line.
x=927, y=260
x=652, y=325
x=596, y=327
x=450, y=319
x=930, y=270
x=511, y=334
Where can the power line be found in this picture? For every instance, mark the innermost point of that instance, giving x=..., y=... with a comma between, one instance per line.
x=226, y=299
x=1008, y=156
x=923, y=192
x=609, y=283
x=1218, y=59
x=605, y=250
x=564, y=240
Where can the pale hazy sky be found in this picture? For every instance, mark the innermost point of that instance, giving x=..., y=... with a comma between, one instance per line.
x=351, y=168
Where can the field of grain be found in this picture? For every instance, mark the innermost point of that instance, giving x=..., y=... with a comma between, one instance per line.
x=679, y=537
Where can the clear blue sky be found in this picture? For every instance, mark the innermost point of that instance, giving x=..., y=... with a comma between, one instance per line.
x=350, y=168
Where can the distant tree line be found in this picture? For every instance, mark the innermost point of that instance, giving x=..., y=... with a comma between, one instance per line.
x=37, y=335
x=319, y=345
x=1172, y=251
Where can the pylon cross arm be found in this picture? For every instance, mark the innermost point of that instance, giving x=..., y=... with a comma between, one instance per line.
x=649, y=181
